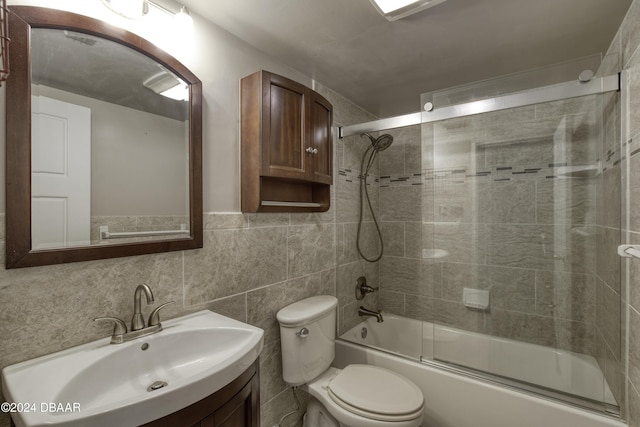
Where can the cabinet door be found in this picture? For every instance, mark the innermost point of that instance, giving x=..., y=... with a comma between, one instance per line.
x=241, y=410
x=284, y=133
x=321, y=140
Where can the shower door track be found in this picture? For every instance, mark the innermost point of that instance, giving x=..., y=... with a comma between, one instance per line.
x=540, y=95
x=536, y=390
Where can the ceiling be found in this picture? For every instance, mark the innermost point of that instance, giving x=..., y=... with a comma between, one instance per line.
x=93, y=67
x=384, y=66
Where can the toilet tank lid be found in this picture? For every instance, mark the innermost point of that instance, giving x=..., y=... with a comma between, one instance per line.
x=306, y=310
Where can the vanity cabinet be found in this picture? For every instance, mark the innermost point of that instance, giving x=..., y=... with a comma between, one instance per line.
x=287, y=146
x=235, y=405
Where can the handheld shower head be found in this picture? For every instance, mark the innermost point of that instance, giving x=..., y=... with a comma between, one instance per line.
x=380, y=143
x=368, y=159
x=383, y=142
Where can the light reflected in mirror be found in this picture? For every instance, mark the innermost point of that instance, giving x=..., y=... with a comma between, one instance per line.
x=110, y=144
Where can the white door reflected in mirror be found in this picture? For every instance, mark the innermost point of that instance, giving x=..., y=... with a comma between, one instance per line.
x=60, y=174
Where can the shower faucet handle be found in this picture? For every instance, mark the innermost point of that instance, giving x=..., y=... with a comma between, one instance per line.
x=362, y=289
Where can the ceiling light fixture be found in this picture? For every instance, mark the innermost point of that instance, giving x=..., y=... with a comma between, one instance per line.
x=184, y=17
x=398, y=9
x=166, y=84
x=132, y=9
x=136, y=9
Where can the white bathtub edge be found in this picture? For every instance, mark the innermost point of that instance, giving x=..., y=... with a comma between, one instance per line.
x=458, y=401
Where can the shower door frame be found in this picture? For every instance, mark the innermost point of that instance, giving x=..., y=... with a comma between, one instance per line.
x=540, y=95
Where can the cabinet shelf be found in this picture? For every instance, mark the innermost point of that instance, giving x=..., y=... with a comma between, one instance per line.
x=286, y=146
x=290, y=204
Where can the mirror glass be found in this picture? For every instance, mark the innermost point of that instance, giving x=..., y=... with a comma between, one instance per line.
x=103, y=143
x=110, y=143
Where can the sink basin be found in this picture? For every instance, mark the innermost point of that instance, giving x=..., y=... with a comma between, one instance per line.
x=102, y=384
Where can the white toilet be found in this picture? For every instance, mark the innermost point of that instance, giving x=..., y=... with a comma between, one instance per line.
x=356, y=396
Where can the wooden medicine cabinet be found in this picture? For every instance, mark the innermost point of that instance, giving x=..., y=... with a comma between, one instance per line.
x=287, y=146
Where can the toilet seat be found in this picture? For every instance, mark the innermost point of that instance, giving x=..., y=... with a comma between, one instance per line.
x=376, y=393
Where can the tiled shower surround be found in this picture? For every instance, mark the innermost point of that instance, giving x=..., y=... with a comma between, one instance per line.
x=507, y=221
x=624, y=54
x=498, y=215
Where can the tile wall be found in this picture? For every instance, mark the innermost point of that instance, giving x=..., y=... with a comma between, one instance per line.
x=610, y=289
x=349, y=264
x=405, y=276
x=624, y=54
x=251, y=265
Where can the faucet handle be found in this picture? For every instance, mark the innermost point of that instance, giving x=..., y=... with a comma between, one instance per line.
x=362, y=289
x=154, y=317
x=119, y=328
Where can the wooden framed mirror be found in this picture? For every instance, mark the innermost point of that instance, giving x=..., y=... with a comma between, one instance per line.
x=87, y=107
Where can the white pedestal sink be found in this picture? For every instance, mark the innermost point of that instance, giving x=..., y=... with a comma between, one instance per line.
x=102, y=384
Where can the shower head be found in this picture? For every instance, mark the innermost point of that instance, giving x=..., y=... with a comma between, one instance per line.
x=380, y=143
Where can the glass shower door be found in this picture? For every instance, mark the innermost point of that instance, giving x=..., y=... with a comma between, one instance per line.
x=511, y=236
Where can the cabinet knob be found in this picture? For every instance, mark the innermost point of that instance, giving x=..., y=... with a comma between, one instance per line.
x=311, y=150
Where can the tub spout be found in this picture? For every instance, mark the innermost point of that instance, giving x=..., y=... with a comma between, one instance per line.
x=366, y=312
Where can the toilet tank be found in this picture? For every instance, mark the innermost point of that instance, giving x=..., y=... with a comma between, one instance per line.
x=307, y=336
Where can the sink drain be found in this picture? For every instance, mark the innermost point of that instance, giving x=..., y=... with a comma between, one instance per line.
x=157, y=385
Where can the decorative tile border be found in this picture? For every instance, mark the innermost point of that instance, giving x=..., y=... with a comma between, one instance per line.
x=500, y=173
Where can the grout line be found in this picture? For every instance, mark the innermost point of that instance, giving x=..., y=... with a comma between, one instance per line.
x=246, y=307
x=275, y=397
x=184, y=283
x=287, y=255
x=535, y=291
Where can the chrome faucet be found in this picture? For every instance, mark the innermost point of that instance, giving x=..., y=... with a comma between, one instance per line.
x=137, y=321
x=366, y=312
x=138, y=328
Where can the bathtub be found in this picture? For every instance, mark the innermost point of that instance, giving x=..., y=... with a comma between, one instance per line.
x=455, y=400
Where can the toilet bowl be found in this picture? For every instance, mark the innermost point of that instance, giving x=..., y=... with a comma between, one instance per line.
x=317, y=415
x=356, y=396
x=353, y=401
